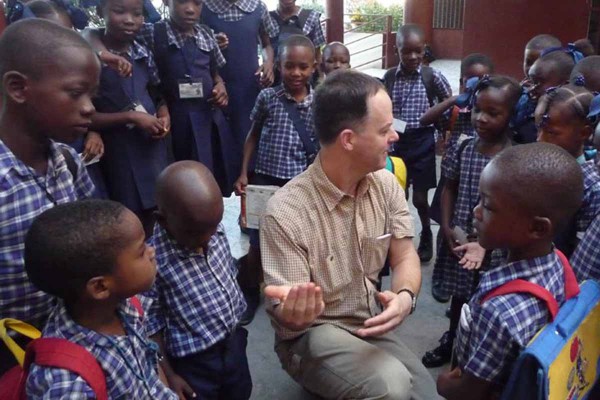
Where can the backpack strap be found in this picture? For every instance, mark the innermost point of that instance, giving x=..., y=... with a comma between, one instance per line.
x=161, y=45
x=428, y=82
x=522, y=286
x=275, y=15
x=389, y=79
x=71, y=164
x=60, y=353
x=303, y=17
x=294, y=115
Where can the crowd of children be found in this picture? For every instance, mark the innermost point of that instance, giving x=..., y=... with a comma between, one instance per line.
x=180, y=113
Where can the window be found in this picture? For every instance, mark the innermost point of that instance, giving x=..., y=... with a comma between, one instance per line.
x=448, y=14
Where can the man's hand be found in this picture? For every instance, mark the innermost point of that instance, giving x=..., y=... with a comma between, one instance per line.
x=396, y=308
x=265, y=72
x=299, y=306
x=471, y=255
x=180, y=387
x=118, y=63
x=93, y=146
x=219, y=95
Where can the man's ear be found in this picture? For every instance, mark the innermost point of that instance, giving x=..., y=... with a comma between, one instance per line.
x=541, y=227
x=98, y=288
x=347, y=138
x=15, y=86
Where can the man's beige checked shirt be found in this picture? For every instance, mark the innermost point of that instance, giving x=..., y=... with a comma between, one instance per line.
x=314, y=232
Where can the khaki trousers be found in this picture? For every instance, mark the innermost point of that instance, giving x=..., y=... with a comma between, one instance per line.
x=334, y=364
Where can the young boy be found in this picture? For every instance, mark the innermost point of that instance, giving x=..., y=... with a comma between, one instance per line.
x=198, y=303
x=414, y=89
x=335, y=56
x=525, y=200
x=92, y=256
x=49, y=76
x=534, y=49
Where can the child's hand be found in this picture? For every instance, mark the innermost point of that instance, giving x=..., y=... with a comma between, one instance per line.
x=165, y=118
x=219, y=95
x=450, y=238
x=180, y=387
x=240, y=185
x=148, y=123
x=118, y=63
x=265, y=72
x=222, y=40
x=93, y=146
x=471, y=255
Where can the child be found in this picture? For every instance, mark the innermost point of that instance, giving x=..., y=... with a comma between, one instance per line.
x=459, y=127
x=563, y=121
x=133, y=136
x=586, y=257
x=282, y=138
x=495, y=100
x=527, y=194
x=589, y=70
x=335, y=56
x=198, y=303
x=50, y=11
x=246, y=24
x=534, y=49
x=92, y=256
x=413, y=90
x=47, y=94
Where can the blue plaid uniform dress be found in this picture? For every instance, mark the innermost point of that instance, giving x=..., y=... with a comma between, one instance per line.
x=586, y=257
x=139, y=51
x=129, y=362
x=235, y=10
x=465, y=168
x=24, y=194
x=203, y=36
x=462, y=126
x=280, y=150
x=590, y=208
x=409, y=96
x=311, y=29
x=490, y=340
x=196, y=297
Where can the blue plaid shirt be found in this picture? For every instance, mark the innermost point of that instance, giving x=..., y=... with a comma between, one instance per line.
x=236, y=10
x=409, y=96
x=129, y=362
x=280, y=150
x=24, y=194
x=489, y=341
x=586, y=257
x=312, y=28
x=590, y=208
x=196, y=297
x=203, y=36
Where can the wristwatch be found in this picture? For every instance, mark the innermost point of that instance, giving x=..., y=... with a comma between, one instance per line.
x=412, y=296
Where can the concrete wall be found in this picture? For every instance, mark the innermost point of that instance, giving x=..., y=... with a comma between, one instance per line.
x=447, y=43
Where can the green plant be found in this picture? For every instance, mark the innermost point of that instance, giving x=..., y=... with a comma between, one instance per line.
x=369, y=16
x=312, y=4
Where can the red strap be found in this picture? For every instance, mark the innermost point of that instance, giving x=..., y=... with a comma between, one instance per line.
x=138, y=305
x=453, y=118
x=60, y=353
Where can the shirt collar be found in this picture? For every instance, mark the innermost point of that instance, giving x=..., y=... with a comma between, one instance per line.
x=282, y=91
x=162, y=239
x=330, y=193
x=401, y=72
x=222, y=6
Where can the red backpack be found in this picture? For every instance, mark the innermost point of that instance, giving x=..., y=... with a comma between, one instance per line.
x=51, y=352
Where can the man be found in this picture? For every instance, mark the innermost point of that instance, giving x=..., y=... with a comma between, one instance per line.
x=325, y=237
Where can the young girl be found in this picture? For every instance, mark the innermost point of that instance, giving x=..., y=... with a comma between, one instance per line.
x=135, y=149
x=562, y=117
x=494, y=100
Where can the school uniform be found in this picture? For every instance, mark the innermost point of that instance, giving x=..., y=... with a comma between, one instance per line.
x=132, y=158
x=491, y=335
x=198, y=305
x=416, y=146
x=523, y=121
x=242, y=21
x=129, y=362
x=199, y=130
x=586, y=257
x=590, y=207
x=465, y=168
x=24, y=194
x=311, y=29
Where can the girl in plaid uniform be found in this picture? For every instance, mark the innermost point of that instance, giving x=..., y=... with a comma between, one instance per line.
x=493, y=101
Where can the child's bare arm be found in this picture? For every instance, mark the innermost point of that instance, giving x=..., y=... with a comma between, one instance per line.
x=448, y=200
x=436, y=112
x=458, y=385
x=249, y=149
x=176, y=382
x=219, y=98
x=144, y=121
x=268, y=61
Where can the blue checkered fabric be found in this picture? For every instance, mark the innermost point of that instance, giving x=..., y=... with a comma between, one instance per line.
x=312, y=29
x=203, y=36
x=197, y=300
x=590, y=208
x=586, y=257
x=236, y=10
x=409, y=96
x=489, y=342
x=462, y=127
x=137, y=51
x=24, y=194
x=129, y=362
x=280, y=150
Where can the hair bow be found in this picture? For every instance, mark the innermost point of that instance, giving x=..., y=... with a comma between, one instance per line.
x=570, y=50
x=469, y=96
x=579, y=80
x=16, y=11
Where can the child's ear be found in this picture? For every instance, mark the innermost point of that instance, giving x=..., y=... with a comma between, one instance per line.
x=98, y=288
x=347, y=139
x=541, y=227
x=15, y=86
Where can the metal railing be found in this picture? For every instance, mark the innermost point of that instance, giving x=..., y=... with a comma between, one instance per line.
x=386, y=44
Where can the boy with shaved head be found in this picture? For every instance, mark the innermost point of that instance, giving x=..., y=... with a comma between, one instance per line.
x=197, y=301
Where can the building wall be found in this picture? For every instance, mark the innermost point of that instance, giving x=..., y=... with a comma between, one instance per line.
x=447, y=43
x=502, y=28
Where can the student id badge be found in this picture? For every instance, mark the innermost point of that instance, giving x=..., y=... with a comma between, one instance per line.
x=191, y=89
x=399, y=125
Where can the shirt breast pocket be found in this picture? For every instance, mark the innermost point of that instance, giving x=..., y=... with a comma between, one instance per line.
x=333, y=279
x=374, y=252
